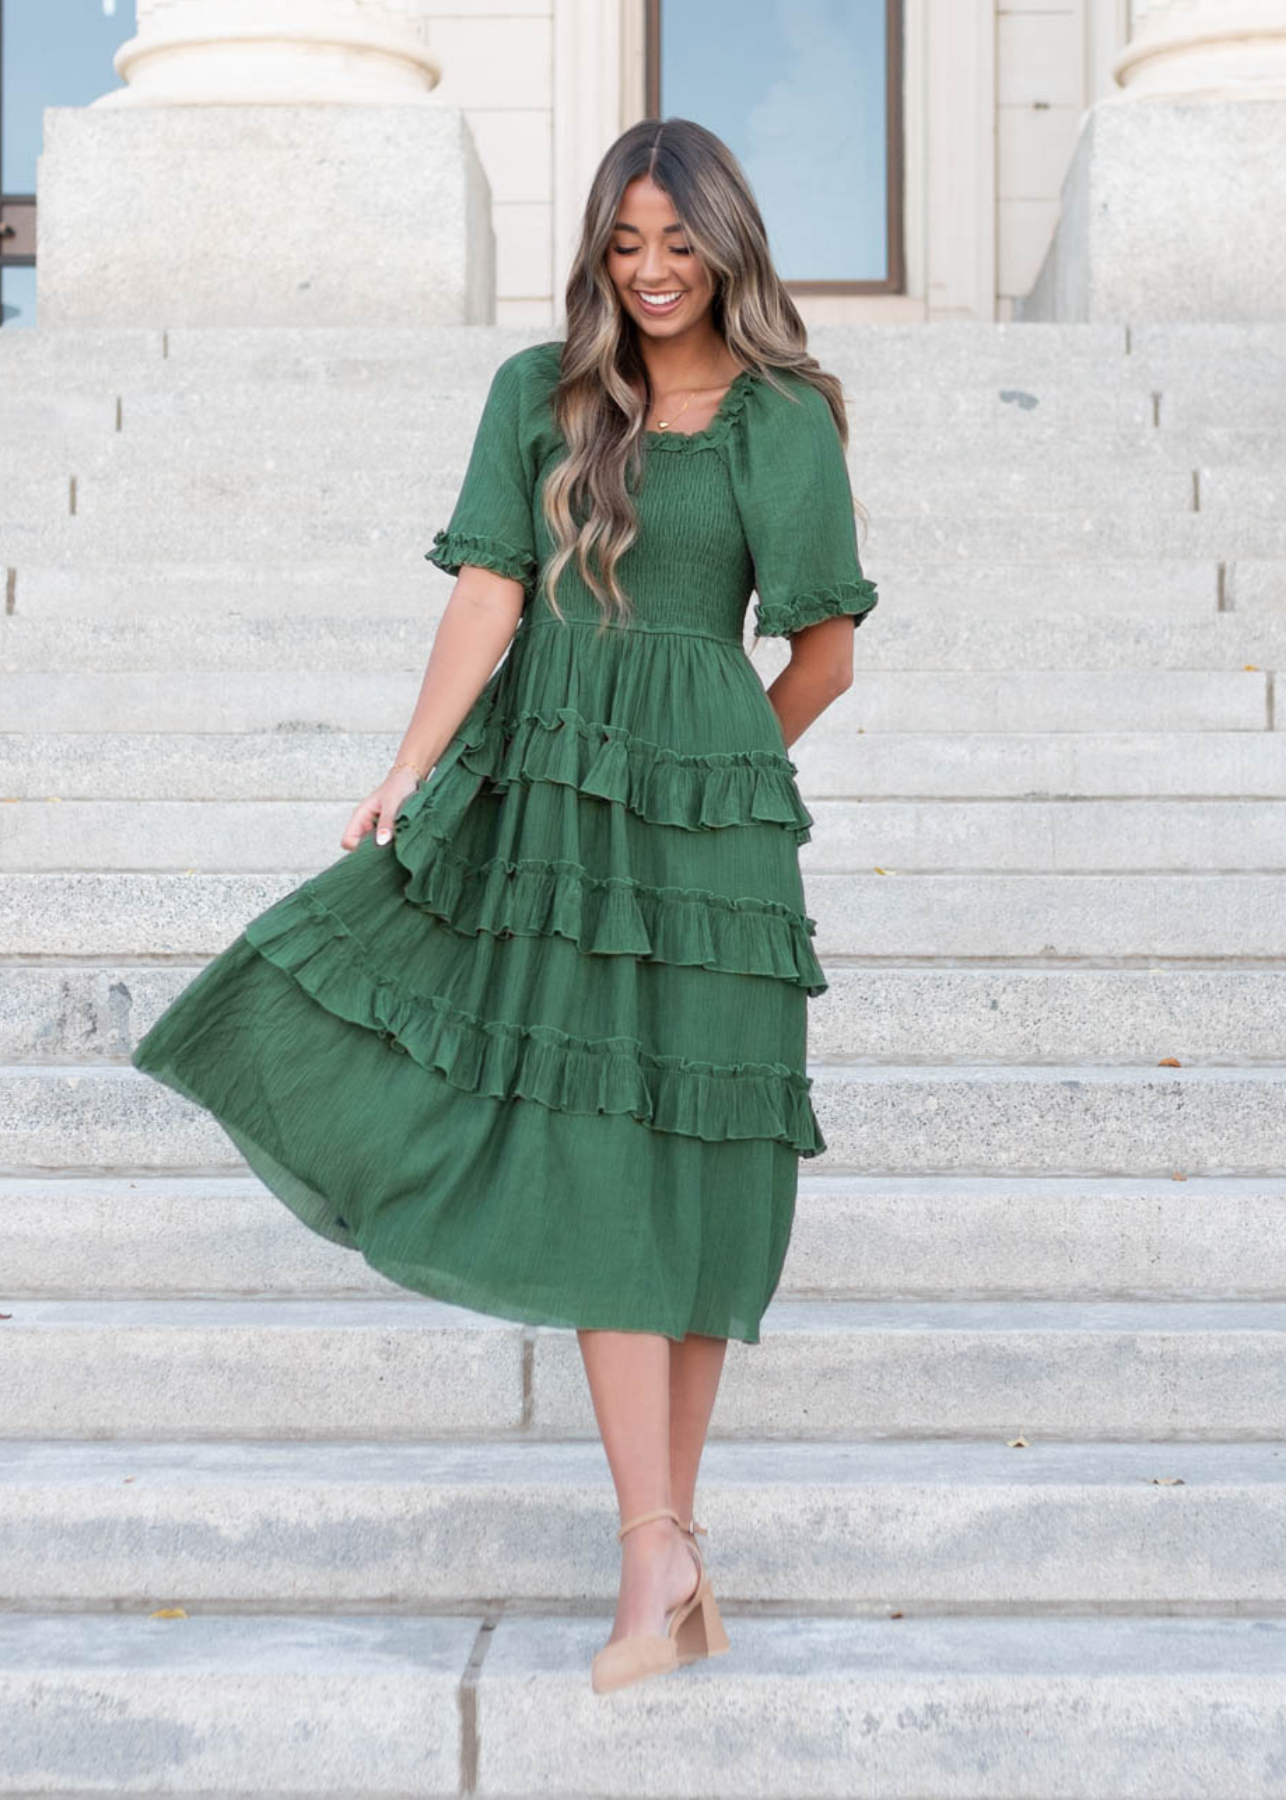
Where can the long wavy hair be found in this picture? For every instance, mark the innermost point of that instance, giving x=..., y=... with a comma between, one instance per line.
x=587, y=499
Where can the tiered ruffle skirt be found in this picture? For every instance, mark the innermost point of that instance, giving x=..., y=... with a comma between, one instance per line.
x=543, y=1055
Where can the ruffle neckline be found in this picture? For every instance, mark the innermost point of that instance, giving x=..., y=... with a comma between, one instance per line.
x=727, y=413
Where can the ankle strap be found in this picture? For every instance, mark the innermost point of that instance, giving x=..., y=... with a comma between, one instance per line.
x=693, y=1527
x=661, y=1512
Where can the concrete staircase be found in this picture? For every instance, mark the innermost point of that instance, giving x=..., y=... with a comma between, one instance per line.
x=1051, y=1069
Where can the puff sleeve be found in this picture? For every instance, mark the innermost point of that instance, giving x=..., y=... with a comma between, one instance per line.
x=793, y=492
x=491, y=525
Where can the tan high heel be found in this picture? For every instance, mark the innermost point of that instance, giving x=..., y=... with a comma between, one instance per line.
x=715, y=1640
x=693, y=1628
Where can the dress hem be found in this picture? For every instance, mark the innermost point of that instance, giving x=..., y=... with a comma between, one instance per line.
x=311, y=1207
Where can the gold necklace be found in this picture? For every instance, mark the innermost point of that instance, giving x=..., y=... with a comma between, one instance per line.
x=665, y=424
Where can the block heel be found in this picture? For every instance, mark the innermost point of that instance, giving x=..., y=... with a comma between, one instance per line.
x=702, y=1632
x=693, y=1628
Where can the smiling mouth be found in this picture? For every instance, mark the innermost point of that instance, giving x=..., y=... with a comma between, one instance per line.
x=659, y=302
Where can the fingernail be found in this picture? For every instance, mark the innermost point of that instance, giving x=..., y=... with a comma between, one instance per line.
x=382, y=837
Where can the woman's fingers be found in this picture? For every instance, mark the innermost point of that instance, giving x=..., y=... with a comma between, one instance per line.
x=361, y=822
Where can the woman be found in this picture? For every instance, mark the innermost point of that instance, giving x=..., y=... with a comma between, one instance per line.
x=588, y=940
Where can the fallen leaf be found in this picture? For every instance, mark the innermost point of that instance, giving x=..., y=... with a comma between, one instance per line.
x=880, y=871
x=1167, y=1480
x=169, y=1612
x=1169, y=1062
x=6, y=1315
x=1250, y=665
x=1017, y=1443
x=895, y=1615
x=129, y=1478
x=1178, y=1175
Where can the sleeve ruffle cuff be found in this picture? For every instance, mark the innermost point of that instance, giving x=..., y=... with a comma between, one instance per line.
x=452, y=549
x=778, y=618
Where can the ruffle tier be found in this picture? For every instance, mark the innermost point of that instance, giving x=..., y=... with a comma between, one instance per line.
x=607, y=916
x=712, y=1101
x=607, y=762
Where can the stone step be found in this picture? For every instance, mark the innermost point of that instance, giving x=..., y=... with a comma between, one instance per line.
x=930, y=836
x=44, y=429
x=831, y=760
x=284, y=1706
x=1253, y=491
x=846, y=1526
x=854, y=1237
x=939, y=641
x=326, y=494
x=95, y=1011
x=837, y=760
x=283, y=351
x=969, y=1119
x=48, y=357
x=984, y=396
x=415, y=1368
x=1188, y=344
x=292, y=423
x=1108, y=596
x=933, y=835
x=255, y=475
x=251, y=698
x=472, y=352
x=1255, y=586
x=41, y=531
x=1071, y=413
x=810, y=1706
x=338, y=508
x=1008, y=919
x=1190, y=410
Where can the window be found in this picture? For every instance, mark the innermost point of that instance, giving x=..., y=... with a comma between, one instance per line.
x=52, y=53
x=807, y=94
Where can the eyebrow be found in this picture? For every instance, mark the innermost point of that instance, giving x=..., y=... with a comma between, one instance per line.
x=621, y=225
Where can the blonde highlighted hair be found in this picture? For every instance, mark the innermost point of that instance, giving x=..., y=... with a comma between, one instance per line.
x=597, y=408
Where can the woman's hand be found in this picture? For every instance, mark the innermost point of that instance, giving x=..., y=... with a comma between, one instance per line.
x=379, y=807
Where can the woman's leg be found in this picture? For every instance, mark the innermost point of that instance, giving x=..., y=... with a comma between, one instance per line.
x=695, y=1367
x=629, y=1374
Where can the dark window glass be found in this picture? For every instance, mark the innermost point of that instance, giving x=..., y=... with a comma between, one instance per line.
x=798, y=90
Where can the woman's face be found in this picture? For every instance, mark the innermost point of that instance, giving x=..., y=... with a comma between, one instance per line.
x=649, y=254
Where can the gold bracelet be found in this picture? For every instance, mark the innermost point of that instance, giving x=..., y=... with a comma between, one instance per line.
x=405, y=764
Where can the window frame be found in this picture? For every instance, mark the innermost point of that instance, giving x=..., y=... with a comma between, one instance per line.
x=894, y=24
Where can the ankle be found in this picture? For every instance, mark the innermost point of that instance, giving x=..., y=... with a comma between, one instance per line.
x=652, y=1536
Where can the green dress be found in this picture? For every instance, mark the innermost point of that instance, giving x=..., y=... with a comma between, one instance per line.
x=543, y=1054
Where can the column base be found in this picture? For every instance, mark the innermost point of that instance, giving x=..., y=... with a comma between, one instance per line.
x=263, y=215
x=1166, y=215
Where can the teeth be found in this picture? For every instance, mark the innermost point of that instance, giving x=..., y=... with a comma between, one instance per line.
x=658, y=299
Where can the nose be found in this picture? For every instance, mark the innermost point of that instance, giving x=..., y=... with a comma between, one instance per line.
x=654, y=265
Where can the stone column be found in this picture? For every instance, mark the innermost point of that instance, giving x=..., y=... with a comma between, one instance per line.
x=1205, y=49
x=267, y=162
x=355, y=52
x=1172, y=207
